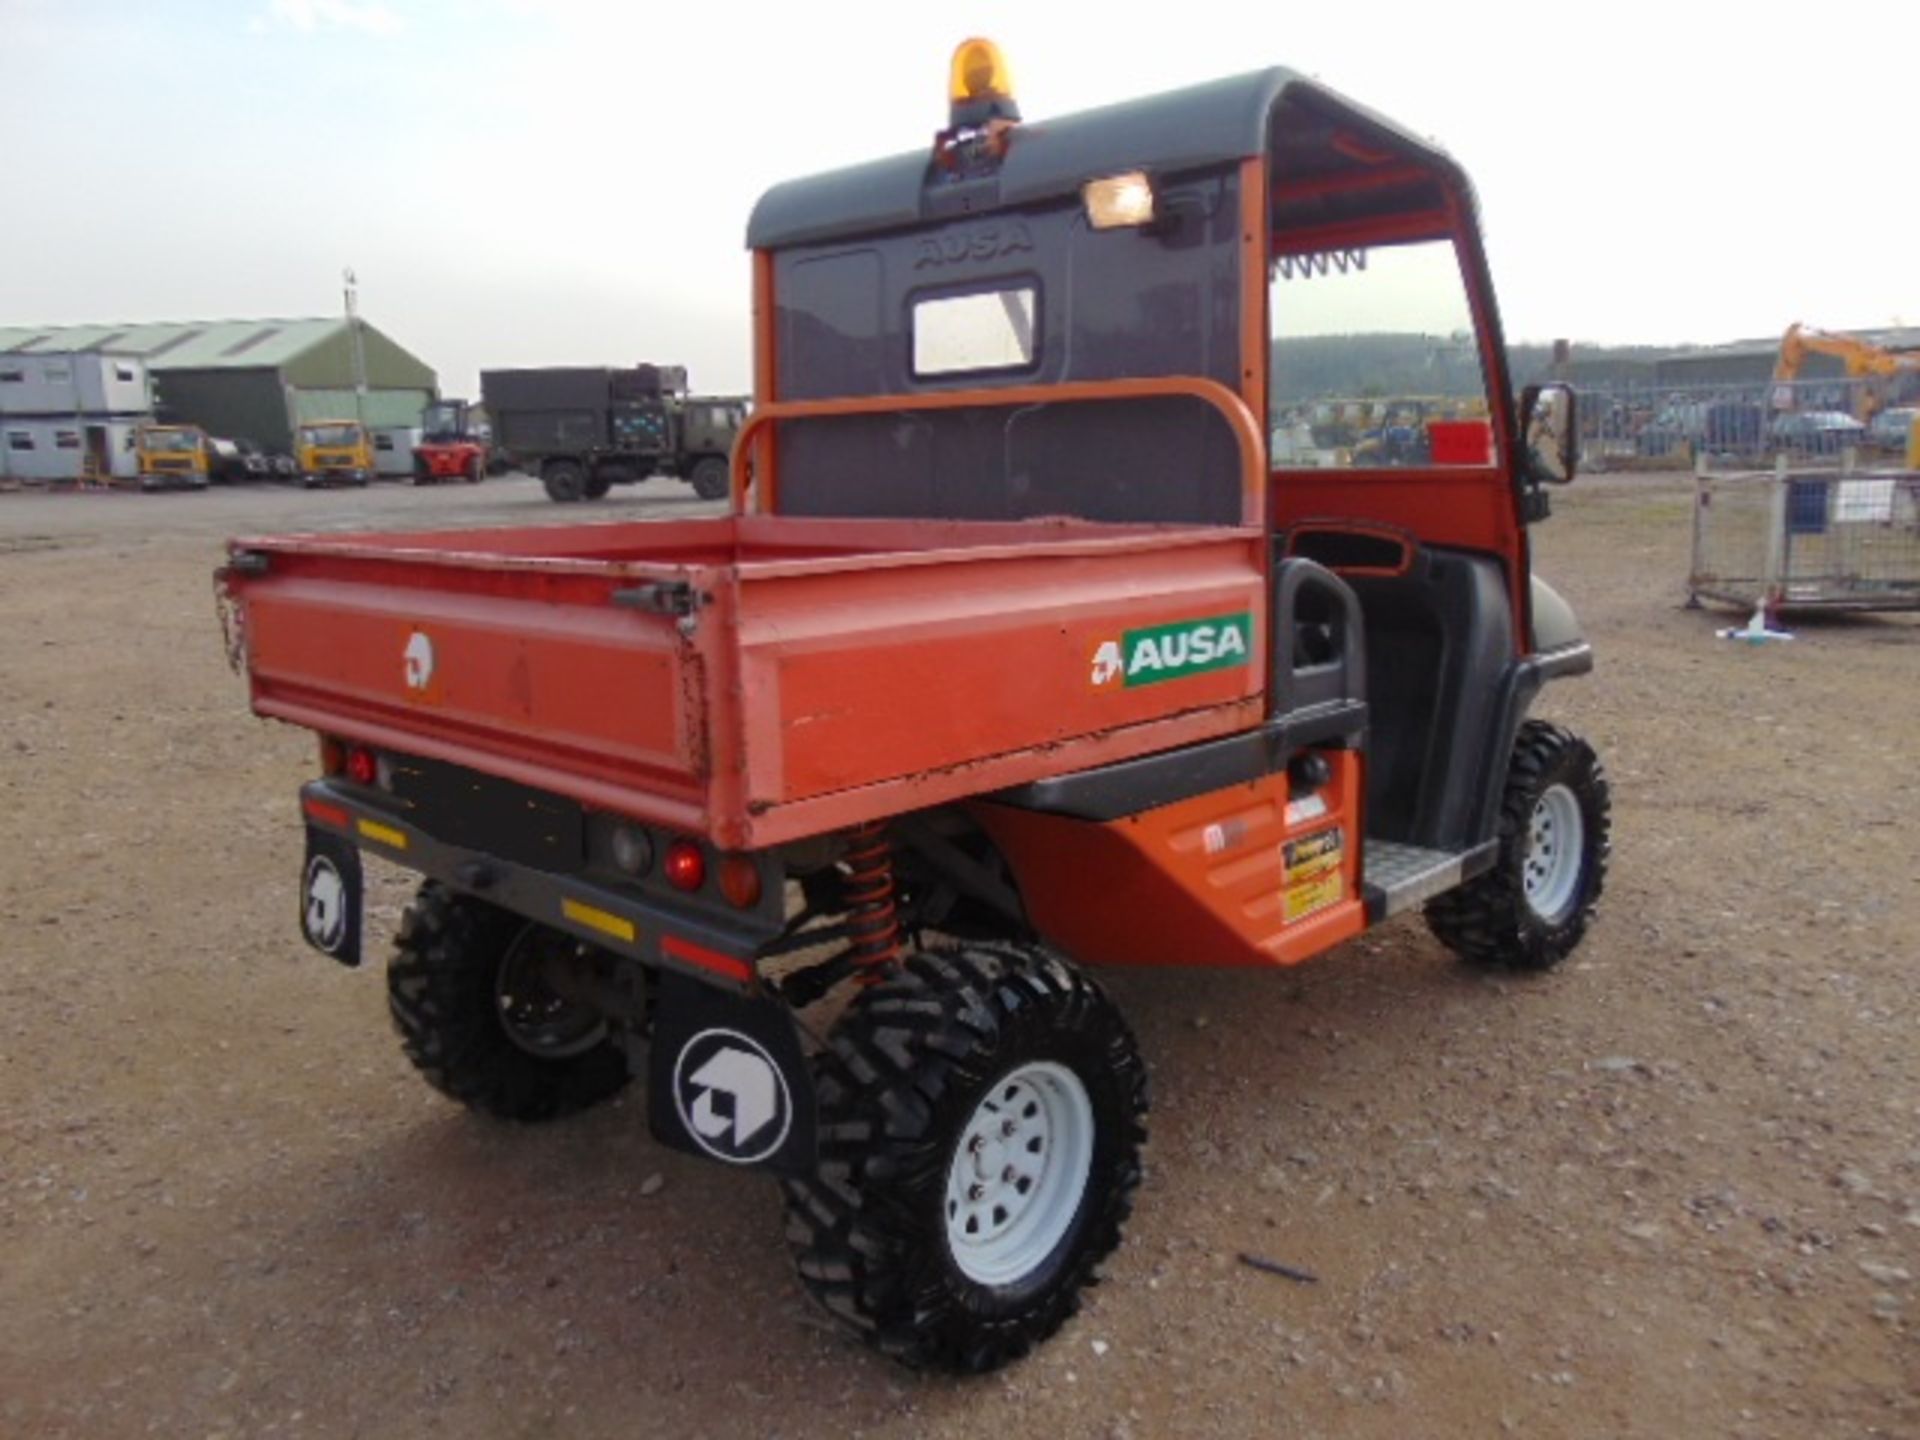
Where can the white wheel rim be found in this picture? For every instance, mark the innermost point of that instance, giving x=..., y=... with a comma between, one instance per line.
x=1556, y=845
x=1019, y=1173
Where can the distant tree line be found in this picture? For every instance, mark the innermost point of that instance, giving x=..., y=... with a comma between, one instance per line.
x=1384, y=365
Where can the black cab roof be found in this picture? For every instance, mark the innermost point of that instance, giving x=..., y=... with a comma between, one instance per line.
x=1275, y=112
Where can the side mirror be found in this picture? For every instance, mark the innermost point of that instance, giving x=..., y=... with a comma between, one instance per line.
x=1551, y=438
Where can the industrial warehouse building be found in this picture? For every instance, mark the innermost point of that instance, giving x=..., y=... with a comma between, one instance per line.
x=249, y=379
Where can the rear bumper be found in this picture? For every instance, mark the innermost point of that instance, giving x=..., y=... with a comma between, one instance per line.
x=696, y=944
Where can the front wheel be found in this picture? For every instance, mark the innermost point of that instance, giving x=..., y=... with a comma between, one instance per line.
x=981, y=1116
x=710, y=479
x=1532, y=908
x=471, y=991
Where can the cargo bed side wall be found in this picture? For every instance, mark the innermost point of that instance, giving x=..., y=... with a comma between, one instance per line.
x=861, y=676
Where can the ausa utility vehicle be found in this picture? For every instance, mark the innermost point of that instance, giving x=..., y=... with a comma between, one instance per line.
x=1016, y=657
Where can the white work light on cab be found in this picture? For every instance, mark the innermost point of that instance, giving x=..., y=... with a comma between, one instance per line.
x=1119, y=200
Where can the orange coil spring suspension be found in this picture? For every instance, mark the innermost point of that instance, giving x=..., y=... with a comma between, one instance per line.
x=875, y=925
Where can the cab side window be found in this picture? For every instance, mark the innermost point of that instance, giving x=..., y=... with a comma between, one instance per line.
x=1376, y=362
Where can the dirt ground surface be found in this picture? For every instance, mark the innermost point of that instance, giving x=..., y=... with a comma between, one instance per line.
x=1671, y=1189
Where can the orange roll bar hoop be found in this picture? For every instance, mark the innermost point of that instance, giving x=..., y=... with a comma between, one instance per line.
x=1240, y=422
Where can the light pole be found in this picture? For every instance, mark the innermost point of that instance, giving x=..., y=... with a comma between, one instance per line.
x=359, y=348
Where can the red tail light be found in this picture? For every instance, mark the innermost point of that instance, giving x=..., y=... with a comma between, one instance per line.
x=740, y=881
x=362, y=767
x=685, y=867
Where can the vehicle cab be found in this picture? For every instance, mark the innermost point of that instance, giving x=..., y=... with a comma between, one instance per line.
x=171, y=457
x=334, y=452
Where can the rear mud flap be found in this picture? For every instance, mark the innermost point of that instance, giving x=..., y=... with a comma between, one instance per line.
x=330, y=896
x=727, y=1079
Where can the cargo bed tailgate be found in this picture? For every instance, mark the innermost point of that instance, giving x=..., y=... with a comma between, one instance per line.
x=754, y=679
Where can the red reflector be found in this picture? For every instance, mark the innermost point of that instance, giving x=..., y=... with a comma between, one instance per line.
x=333, y=756
x=328, y=814
x=675, y=948
x=686, y=867
x=740, y=882
x=362, y=768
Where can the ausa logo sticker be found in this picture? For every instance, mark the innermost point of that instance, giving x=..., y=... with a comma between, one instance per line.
x=731, y=1096
x=1171, y=652
x=417, y=660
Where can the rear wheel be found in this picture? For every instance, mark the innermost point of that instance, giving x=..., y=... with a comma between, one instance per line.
x=565, y=480
x=981, y=1115
x=598, y=484
x=469, y=990
x=476, y=470
x=710, y=479
x=1531, y=909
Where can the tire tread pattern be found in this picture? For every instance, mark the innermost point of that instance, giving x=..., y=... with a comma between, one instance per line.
x=440, y=993
x=1488, y=921
x=905, y=1068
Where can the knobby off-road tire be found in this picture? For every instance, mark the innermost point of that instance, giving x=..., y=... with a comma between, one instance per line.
x=946, y=1086
x=476, y=1022
x=1530, y=910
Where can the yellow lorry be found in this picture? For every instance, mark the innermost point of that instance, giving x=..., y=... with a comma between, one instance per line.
x=334, y=452
x=171, y=457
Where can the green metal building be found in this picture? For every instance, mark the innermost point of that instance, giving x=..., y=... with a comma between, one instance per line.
x=255, y=379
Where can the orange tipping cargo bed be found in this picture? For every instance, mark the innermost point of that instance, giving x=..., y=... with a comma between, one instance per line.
x=755, y=679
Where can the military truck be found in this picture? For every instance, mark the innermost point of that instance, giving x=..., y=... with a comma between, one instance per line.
x=585, y=429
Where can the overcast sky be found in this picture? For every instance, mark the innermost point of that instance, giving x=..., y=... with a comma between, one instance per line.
x=561, y=181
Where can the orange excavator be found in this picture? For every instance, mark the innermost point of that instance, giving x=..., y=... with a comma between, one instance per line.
x=1864, y=361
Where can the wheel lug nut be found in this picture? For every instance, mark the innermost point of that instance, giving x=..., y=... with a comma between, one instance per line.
x=1007, y=1127
x=976, y=1192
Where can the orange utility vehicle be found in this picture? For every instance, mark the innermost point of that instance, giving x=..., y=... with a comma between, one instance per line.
x=1014, y=658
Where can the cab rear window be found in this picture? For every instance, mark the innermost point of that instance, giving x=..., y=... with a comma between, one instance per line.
x=976, y=333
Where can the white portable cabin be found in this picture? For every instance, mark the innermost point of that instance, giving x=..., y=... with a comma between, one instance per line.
x=393, y=447
x=60, y=410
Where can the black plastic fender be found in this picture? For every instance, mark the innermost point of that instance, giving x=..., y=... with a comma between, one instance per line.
x=728, y=1079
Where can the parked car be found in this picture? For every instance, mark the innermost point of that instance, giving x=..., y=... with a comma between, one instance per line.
x=226, y=461
x=1893, y=429
x=1817, y=432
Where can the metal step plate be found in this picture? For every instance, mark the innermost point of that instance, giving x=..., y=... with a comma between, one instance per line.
x=1398, y=877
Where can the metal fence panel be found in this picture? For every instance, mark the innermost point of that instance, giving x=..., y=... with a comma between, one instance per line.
x=1628, y=426
x=1795, y=538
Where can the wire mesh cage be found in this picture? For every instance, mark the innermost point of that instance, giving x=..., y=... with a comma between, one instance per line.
x=1807, y=539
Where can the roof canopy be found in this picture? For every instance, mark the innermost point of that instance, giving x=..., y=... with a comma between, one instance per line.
x=1309, y=131
x=181, y=345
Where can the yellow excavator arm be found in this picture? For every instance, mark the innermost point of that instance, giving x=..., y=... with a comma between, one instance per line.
x=1863, y=361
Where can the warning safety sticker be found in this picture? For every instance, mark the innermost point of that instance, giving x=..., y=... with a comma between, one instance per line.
x=1312, y=879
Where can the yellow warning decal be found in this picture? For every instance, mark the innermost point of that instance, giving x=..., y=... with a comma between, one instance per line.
x=594, y=918
x=385, y=834
x=1312, y=879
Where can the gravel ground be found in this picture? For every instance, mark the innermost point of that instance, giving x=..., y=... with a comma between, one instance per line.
x=1672, y=1189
